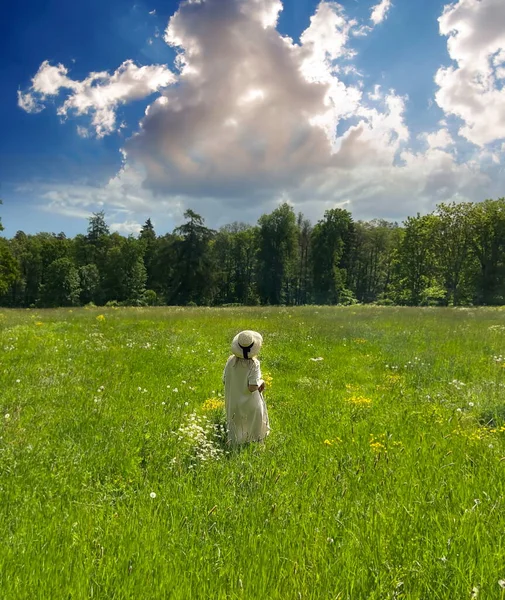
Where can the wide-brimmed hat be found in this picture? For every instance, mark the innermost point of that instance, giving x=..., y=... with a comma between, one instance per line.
x=246, y=344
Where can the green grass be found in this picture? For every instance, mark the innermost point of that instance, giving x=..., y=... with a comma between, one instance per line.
x=380, y=478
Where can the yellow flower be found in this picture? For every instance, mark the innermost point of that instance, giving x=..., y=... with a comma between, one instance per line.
x=39, y=323
x=360, y=401
x=100, y=318
x=378, y=447
x=213, y=404
x=267, y=378
x=359, y=341
x=337, y=440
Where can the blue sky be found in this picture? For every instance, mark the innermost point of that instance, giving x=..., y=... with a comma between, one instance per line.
x=43, y=157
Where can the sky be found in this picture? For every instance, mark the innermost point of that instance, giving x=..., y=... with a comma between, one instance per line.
x=144, y=109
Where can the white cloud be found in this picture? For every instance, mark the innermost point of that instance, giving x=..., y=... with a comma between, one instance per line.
x=471, y=90
x=126, y=227
x=256, y=118
x=99, y=94
x=28, y=103
x=440, y=139
x=380, y=11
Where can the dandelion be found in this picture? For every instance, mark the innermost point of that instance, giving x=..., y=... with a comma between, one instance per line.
x=153, y=495
x=163, y=403
x=360, y=401
x=267, y=378
x=212, y=404
x=471, y=404
x=18, y=380
x=7, y=416
x=100, y=318
x=337, y=440
x=175, y=390
x=377, y=447
x=39, y=323
x=501, y=583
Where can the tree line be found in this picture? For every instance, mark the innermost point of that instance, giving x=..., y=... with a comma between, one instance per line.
x=453, y=256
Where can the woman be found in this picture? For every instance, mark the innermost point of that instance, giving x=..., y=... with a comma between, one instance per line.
x=246, y=411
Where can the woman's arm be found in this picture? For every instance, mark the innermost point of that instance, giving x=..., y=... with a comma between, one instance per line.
x=255, y=377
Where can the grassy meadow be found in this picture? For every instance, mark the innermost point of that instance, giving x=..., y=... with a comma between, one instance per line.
x=383, y=477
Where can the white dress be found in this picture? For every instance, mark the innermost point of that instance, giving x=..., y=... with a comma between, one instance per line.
x=246, y=412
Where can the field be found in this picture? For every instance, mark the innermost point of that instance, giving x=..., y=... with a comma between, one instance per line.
x=384, y=475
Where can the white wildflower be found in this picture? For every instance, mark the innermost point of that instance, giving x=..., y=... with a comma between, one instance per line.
x=501, y=583
x=175, y=390
x=153, y=495
x=471, y=404
x=7, y=416
x=18, y=380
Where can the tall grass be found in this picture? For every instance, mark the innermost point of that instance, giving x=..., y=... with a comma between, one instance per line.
x=383, y=477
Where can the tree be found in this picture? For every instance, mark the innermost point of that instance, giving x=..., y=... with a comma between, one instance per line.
x=415, y=259
x=192, y=276
x=164, y=259
x=61, y=284
x=97, y=227
x=452, y=247
x=331, y=241
x=304, y=235
x=234, y=256
x=277, y=246
x=89, y=277
x=487, y=241
x=148, y=238
x=9, y=271
x=371, y=266
x=1, y=226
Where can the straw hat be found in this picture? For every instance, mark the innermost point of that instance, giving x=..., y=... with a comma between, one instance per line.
x=246, y=344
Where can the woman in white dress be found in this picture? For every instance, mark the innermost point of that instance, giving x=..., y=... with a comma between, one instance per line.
x=246, y=411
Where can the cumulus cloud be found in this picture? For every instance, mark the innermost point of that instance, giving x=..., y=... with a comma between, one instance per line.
x=126, y=227
x=256, y=117
x=440, y=139
x=99, y=94
x=380, y=11
x=472, y=89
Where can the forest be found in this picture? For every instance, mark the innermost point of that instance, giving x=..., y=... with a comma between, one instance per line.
x=454, y=256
